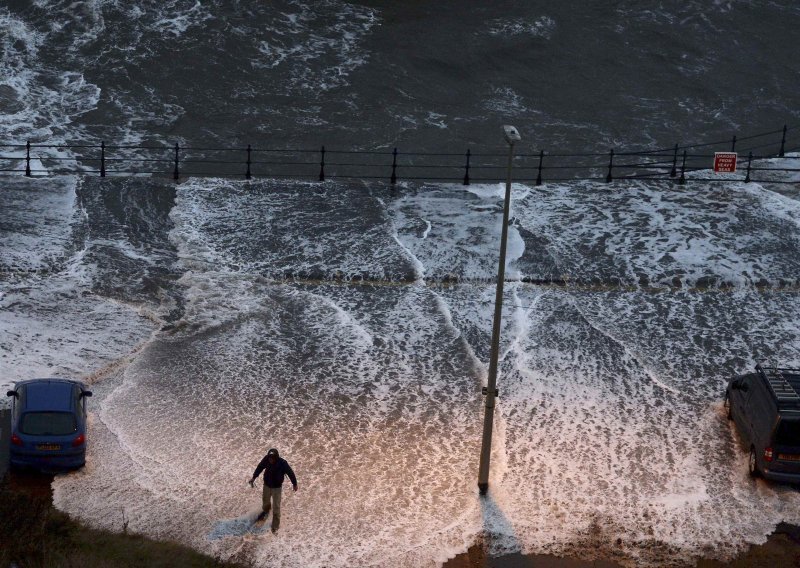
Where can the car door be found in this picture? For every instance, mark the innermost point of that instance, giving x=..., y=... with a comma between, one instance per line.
x=741, y=395
x=18, y=406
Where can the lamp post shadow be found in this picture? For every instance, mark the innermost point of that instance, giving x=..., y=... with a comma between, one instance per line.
x=499, y=546
x=498, y=534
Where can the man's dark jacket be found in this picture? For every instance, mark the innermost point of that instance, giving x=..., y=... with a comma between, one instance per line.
x=274, y=473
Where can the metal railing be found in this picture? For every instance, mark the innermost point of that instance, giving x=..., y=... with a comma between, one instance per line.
x=537, y=166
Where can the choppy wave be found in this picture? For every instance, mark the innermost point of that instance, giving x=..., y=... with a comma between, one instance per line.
x=126, y=73
x=38, y=101
x=318, y=56
x=303, y=73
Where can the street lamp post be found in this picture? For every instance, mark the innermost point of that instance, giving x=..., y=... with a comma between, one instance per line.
x=512, y=136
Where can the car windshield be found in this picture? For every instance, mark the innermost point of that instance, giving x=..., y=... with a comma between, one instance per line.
x=788, y=433
x=48, y=423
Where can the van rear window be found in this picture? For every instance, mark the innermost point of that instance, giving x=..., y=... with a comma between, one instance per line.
x=788, y=433
x=48, y=423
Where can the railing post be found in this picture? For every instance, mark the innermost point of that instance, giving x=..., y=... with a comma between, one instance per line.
x=539, y=173
x=176, y=175
x=393, y=179
x=28, y=158
x=749, y=159
x=322, y=164
x=609, y=178
x=102, y=159
x=466, y=170
x=733, y=144
x=682, y=180
x=674, y=171
x=247, y=174
x=783, y=142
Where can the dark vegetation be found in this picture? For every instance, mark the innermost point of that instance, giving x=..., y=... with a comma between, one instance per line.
x=33, y=534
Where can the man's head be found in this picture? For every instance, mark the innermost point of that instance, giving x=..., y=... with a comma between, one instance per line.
x=272, y=455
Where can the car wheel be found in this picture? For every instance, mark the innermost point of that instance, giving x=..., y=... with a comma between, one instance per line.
x=752, y=464
x=727, y=406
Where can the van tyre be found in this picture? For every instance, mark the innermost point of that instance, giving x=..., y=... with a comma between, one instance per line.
x=752, y=464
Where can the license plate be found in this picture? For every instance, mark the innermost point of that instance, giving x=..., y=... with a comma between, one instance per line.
x=48, y=447
x=789, y=457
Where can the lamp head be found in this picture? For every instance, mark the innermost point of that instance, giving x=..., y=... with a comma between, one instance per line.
x=511, y=134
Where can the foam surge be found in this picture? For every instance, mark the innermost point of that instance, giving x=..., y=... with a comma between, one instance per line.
x=455, y=233
x=259, y=229
x=661, y=235
x=339, y=394
x=304, y=327
x=53, y=322
x=617, y=442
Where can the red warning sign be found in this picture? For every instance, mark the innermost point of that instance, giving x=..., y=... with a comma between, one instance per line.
x=725, y=162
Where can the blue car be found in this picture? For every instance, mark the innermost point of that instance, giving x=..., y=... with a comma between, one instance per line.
x=48, y=424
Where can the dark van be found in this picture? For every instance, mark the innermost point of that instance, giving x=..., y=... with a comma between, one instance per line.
x=765, y=406
x=48, y=424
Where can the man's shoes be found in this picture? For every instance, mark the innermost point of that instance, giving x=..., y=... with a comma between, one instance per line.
x=274, y=530
x=261, y=516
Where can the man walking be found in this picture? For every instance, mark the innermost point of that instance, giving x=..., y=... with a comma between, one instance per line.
x=274, y=468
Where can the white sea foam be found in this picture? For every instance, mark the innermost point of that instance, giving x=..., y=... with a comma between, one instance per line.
x=451, y=240
x=542, y=27
x=39, y=223
x=366, y=409
x=52, y=324
x=45, y=95
x=506, y=101
x=237, y=227
x=641, y=233
x=610, y=436
x=318, y=57
x=175, y=21
x=436, y=120
x=53, y=327
x=39, y=101
x=600, y=452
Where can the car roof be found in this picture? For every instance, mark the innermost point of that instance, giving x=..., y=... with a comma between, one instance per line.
x=784, y=387
x=49, y=394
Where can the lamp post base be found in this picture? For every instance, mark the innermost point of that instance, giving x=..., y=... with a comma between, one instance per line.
x=483, y=488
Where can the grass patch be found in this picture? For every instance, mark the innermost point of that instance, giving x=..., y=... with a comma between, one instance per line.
x=33, y=534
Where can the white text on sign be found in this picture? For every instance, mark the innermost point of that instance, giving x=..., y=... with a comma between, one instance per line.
x=725, y=162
